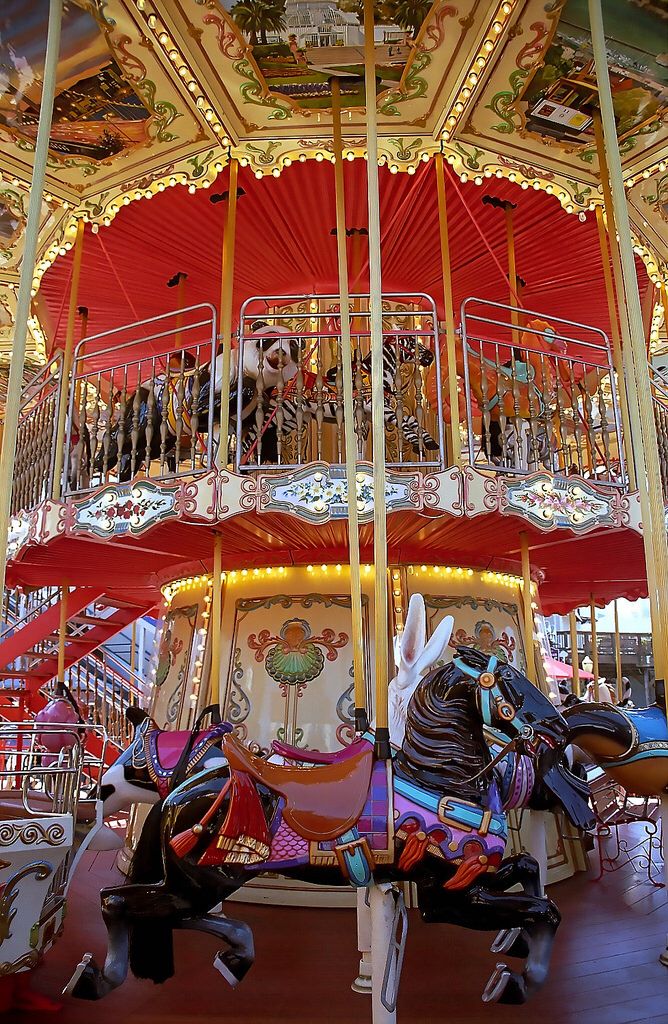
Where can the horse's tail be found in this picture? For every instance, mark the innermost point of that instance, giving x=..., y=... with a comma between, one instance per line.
x=151, y=937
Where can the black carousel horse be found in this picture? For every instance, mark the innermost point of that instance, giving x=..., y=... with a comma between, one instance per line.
x=433, y=816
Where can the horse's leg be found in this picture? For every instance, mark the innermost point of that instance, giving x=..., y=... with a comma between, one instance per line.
x=88, y=981
x=236, y=961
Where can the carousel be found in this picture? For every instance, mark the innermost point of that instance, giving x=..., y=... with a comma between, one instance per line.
x=330, y=338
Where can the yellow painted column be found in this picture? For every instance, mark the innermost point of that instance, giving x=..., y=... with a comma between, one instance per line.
x=226, y=299
x=361, y=717
x=594, y=647
x=377, y=394
x=67, y=363
x=62, y=631
x=528, y=610
x=448, y=303
x=215, y=619
x=575, y=660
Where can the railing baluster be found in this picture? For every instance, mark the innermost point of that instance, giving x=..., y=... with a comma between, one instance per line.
x=106, y=441
x=95, y=422
x=360, y=421
x=279, y=417
x=150, y=413
x=259, y=408
x=419, y=400
x=577, y=431
x=122, y=409
x=299, y=403
x=603, y=421
x=193, y=403
x=134, y=433
x=165, y=400
x=179, y=402
x=338, y=386
x=319, y=402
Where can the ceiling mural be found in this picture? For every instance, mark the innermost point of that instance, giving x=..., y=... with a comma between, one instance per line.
x=153, y=95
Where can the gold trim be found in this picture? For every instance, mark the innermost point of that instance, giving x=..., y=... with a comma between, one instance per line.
x=31, y=833
x=24, y=963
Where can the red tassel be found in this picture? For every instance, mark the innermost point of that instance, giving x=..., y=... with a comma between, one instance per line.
x=465, y=875
x=412, y=852
x=185, y=842
x=244, y=837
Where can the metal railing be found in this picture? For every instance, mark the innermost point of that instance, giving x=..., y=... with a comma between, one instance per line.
x=141, y=398
x=104, y=694
x=292, y=413
x=21, y=607
x=539, y=395
x=659, y=386
x=634, y=647
x=36, y=437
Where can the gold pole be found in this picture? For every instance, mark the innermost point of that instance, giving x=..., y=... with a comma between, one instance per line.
x=448, y=303
x=618, y=657
x=226, y=299
x=594, y=647
x=215, y=618
x=616, y=344
x=377, y=393
x=653, y=513
x=67, y=364
x=361, y=719
x=528, y=610
x=62, y=631
x=575, y=660
x=24, y=299
x=512, y=269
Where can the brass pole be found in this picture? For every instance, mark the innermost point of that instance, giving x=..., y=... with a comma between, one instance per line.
x=62, y=631
x=448, y=303
x=594, y=647
x=215, y=619
x=226, y=299
x=618, y=657
x=377, y=393
x=528, y=610
x=653, y=513
x=616, y=347
x=361, y=718
x=512, y=269
x=575, y=659
x=24, y=298
x=67, y=364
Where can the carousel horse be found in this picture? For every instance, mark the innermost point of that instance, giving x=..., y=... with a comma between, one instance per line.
x=631, y=745
x=328, y=406
x=432, y=816
x=272, y=358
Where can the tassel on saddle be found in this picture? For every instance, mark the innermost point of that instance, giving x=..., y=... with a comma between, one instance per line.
x=243, y=838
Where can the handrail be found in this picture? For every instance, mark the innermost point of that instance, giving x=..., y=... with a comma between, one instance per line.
x=32, y=613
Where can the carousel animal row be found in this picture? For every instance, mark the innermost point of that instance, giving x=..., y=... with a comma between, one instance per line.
x=333, y=824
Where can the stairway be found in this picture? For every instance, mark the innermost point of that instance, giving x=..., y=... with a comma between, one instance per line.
x=29, y=656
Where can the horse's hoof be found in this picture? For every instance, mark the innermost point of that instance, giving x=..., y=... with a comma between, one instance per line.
x=512, y=942
x=84, y=982
x=233, y=967
x=504, y=986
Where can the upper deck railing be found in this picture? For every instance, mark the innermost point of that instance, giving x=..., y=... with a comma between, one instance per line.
x=534, y=393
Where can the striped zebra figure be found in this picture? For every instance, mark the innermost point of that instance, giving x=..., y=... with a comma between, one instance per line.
x=318, y=398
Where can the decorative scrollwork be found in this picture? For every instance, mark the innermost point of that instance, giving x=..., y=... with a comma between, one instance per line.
x=24, y=963
x=30, y=833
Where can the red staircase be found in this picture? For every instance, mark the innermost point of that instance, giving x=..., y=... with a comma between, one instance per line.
x=30, y=655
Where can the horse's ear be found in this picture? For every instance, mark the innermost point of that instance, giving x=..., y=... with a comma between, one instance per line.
x=135, y=716
x=411, y=643
x=437, y=642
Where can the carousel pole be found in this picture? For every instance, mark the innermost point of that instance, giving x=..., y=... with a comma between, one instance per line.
x=618, y=657
x=575, y=660
x=528, y=610
x=226, y=298
x=361, y=718
x=594, y=646
x=12, y=407
x=617, y=357
x=214, y=619
x=377, y=394
x=513, y=298
x=66, y=369
x=448, y=303
x=649, y=479
x=62, y=631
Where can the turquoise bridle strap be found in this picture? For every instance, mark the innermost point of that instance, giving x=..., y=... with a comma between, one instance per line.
x=488, y=695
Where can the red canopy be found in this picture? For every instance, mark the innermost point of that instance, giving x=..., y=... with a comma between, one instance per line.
x=560, y=670
x=285, y=245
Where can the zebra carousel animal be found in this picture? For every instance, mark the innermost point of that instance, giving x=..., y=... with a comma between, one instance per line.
x=286, y=410
x=432, y=816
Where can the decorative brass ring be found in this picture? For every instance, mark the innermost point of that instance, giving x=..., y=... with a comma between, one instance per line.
x=486, y=680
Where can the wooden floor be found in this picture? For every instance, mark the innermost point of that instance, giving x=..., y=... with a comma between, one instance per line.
x=604, y=971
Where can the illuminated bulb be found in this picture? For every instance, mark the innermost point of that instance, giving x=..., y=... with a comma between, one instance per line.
x=183, y=71
x=164, y=38
x=309, y=568
x=192, y=189
x=319, y=157
x=459, y=107
x=488, y=45
x=480, y=61
x=497, y=27
x=244, y=572
x=258, y=174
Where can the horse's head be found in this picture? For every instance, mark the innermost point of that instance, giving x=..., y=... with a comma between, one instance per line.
x=409, y=347
x=273, y=351
x=510, y=702
x=127, y=781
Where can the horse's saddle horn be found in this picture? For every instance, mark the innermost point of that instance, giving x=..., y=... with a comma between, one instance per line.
x=320, y=803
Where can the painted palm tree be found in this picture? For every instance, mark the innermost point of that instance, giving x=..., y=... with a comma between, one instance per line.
x=257, y=17
x=408, y=14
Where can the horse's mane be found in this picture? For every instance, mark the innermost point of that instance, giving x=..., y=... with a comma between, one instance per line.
x=444, y=746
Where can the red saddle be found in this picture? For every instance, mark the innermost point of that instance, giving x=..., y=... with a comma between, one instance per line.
x=320, y=803
x=316, y=756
